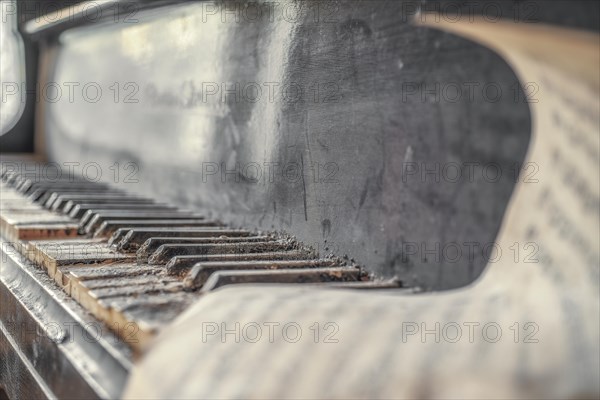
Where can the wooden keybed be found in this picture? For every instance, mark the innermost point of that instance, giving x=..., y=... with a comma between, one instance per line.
x=136, y=264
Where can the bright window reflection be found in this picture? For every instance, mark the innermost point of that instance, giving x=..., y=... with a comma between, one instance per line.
x=12, y=67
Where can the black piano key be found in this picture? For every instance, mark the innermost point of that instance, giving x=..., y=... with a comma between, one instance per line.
x=308, y=275
x=71, y=187
x=56, y=201
x=98, y=218
x=77, y=211
x=200, y=272
x=62, y=202
x=180, y=265
x=117, y=214
x=10, y=180
x=132, y=239
x=108, y=227
x=137, y=290
x=167, y=251
x=115, y=239
x=152, y=244
x=69, y=205
x=41, y=196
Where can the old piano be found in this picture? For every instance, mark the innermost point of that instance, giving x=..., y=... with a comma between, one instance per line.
x=166, y=163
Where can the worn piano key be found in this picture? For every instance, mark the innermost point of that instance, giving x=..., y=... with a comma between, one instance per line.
x=117, y=236
x=10, y=200
x=94, y=220
x=48, y=199
x=9, y=193
x=83, y=273
x=63, y=279
x=13, y=207
x=19, y=205
x=138, y=320
x=77, y=211
x=14, y=229
x=33, y=245
x=102, y=214
x=107, y=203
x=10, y=178
x=35, y=195
x=38, y=195
x=51, y=255
x=17, y=210
x=34, y=231
x=180, y=265
x=49, y=196
x=135, y=280
x=200, y=273
x=80, y=279
x=136, y=290
x=29, y=187
x=167, y=251
x=152, y=244
x=56, y=201
x=72, y=179
x=75, y=193
x=29, y=216
x=133, y=238
x=59, y=180
x=98, y=302
x=109, y=227
x=308, y=275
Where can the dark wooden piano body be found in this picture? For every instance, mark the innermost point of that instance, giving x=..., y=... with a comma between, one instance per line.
x=339, y=123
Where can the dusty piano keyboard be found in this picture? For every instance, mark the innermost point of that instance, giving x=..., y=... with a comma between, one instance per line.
x=135, y=264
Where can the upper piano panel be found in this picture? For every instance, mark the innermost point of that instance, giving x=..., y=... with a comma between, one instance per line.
x=338, y=122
